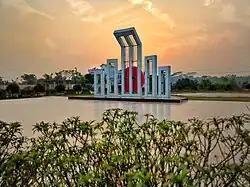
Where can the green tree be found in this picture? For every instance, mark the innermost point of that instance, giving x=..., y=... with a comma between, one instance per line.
x=1, y=80
x=60, y=88
x=27, y=91
x=89, y=78
x=205, y=84
x=77, y=88
x=2, y=94
x=247, y=86
x=1, y=83
x=58, y=78
x=76, y=77
x=30, y=79
x=13, y=88
x=185, y=84
x=49, y=80
x=39, y=89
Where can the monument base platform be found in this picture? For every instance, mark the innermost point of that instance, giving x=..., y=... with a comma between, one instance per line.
x=131, y=99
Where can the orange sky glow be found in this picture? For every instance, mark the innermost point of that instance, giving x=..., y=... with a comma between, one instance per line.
x=43, y=36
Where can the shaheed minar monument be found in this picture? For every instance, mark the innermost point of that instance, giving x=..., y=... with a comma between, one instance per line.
x=130, y=82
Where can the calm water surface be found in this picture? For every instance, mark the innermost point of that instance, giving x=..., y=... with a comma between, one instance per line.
x=50, y=109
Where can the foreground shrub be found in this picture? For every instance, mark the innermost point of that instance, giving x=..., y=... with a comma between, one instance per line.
x=117, y=151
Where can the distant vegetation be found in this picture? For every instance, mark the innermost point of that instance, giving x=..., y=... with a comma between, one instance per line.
x=59, y=83
x=73, y=82
x=119, y=151
x=206, y=83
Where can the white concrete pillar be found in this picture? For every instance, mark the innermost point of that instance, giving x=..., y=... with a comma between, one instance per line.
x=102, y=83
x=108, y=82
x=131, y=58
x=123, y=65
x=164, y=71
x=159, y=82
x=154, y=76
x=99, y=83
x=112, y=65
x=139, y=69
x=153, y=60
x=95, y=83
x=131, y=63
x=116, y=79
x=168, y=82
x=146, y=75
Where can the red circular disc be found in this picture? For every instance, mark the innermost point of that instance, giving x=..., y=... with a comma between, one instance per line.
x=134, y=78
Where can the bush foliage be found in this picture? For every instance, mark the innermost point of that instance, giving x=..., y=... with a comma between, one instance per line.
x=118, y=151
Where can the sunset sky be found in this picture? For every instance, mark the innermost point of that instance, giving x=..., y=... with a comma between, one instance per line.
x=39, y=36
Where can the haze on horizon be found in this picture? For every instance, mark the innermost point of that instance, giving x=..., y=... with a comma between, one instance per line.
x=38, y=36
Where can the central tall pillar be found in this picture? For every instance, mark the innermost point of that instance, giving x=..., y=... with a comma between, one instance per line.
x=128, y=38
x=131, y=63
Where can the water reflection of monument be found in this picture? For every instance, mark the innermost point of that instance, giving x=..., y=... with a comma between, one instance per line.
x=130, y=81
x=159, y=110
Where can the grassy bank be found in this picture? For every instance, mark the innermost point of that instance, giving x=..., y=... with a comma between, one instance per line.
x=22, y=97
x=236, y=99
x=196, y=98
x=207, y=91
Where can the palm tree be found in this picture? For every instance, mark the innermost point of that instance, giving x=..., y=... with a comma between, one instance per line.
x=48, y=79
x=29, y=79
x=58, y=78
x=1, y=83
x=76, y=76
x=66, y=77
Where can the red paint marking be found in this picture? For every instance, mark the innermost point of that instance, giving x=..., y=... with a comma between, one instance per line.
x=126, y=77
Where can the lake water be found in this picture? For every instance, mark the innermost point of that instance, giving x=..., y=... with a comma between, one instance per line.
x=50, y=109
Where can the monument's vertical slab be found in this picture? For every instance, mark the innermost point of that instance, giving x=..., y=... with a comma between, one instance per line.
x=99, y=87
x=150, y=86
x=164, y=82
x=112, y=77
x=139, y=69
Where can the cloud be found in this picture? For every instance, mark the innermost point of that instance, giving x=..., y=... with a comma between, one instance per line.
x=25, y=8
x=94, y=19
x=208, y=2
x=148, y=6
x=88, y=13
x=211, y=2
x=50, y=43
x=128, y=23
x=228, y=13
x=85, y=10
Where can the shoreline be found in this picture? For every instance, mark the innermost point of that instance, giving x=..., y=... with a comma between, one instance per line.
x=200, y=98
x=189, y=97
x=16, y=98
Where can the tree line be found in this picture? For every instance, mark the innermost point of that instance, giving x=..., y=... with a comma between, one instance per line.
x=206, y=83
x=72, y=81
x=29, y=85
